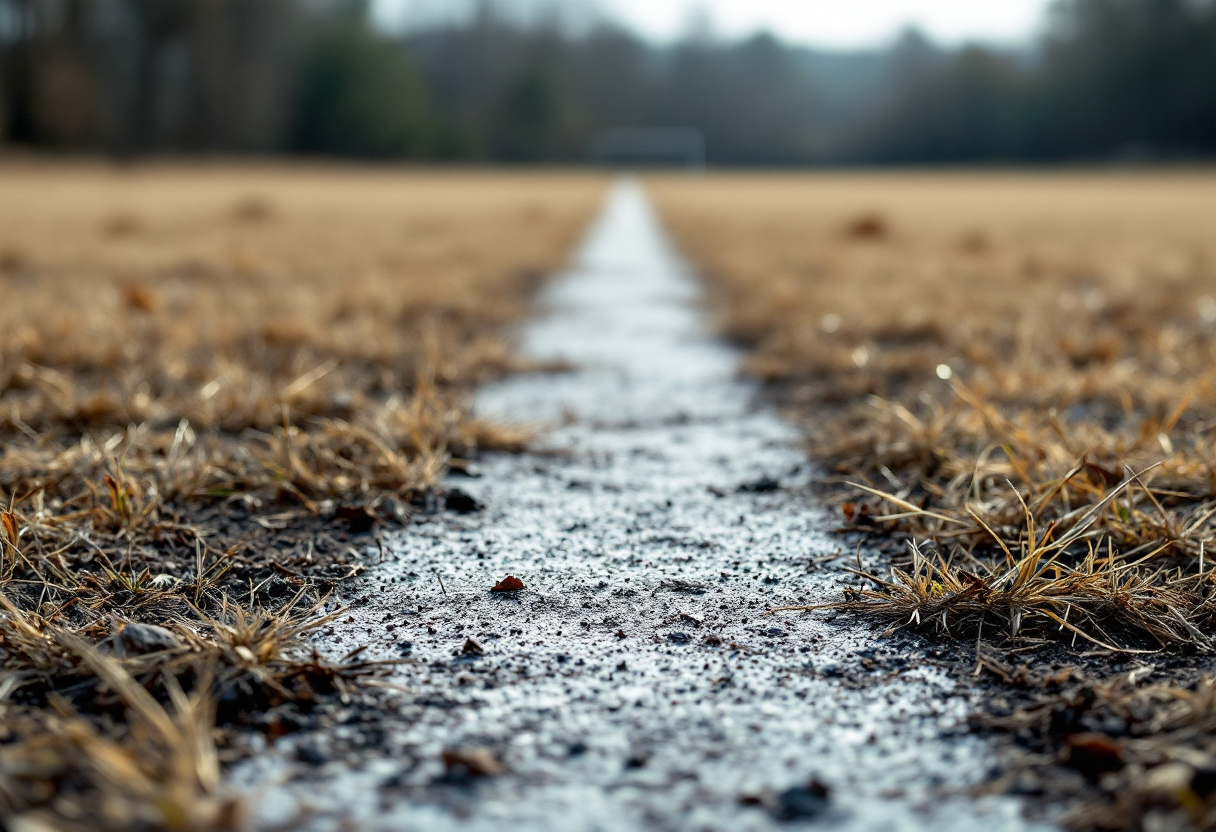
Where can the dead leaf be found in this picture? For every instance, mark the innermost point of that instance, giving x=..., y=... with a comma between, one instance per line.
x=8, y=525
x=1093, y=754
x=508, y=584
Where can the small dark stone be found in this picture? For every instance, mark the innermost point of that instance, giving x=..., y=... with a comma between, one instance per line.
x=461, y=502
x=405, y=647
x=775, y=632
x=471, y=648
x=145, y=638
x=763, y=485
x=803, y=802
x=636, y=761
x=999, y=707
x=390, y=508
x=1025, y=784
x=831, y=670
x=275, y=588
x=311, y=755
x=578, y=749
x=679, y=638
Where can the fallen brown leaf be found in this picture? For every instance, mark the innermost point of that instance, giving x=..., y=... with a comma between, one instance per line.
x=508, y=584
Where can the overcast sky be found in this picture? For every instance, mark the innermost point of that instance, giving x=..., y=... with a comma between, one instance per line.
x=833, y=23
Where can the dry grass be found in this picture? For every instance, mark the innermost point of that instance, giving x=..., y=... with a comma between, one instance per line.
x=1011, y=377
x=155, y=295
x=202, y=370
x=985, y=356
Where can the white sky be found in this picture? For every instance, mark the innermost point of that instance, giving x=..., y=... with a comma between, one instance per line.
x=832, y=23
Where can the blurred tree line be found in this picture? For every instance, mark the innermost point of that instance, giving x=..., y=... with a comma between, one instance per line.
x=244, y=76
x=1131, y=79
x=1107, y=79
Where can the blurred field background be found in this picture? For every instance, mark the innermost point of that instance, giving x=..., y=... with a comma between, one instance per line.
x=117, y=281
x=535, y=80
x=1032, y=284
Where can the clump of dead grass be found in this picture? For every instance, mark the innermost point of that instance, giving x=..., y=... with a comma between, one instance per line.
x=208, y=382
x=967, y=395
x=1023, y=522
x=160, y=771
x=1016, y=389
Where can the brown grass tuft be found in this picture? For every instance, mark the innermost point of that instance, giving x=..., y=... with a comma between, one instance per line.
x=199, y=409
x=1028, y=412
x=969, y=401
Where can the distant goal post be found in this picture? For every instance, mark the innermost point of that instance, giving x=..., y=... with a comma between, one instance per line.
x=649, y=147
